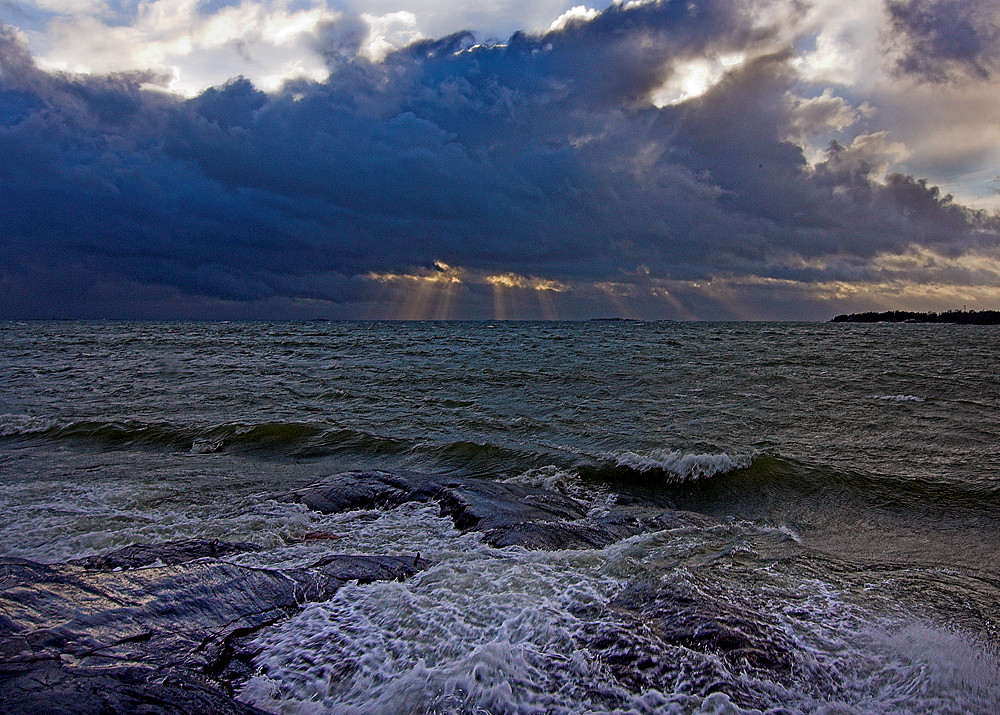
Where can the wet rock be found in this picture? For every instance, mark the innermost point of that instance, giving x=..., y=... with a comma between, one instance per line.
x=496, y=505
x=553, y=536
x=684, y=639
x=169, y=554
x=365, y=490
x=726, y=627
x=53, y=688
x=158, y=639
x=507, y=514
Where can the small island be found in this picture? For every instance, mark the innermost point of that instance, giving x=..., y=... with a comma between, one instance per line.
x=961, y=317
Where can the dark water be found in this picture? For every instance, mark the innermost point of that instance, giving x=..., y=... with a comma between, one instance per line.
x=853, y=470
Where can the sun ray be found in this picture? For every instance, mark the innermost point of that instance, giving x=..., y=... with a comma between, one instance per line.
x=499, y=302
x=547, y=305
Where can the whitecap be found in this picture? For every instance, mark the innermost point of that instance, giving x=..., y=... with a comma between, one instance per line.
x=684, y=466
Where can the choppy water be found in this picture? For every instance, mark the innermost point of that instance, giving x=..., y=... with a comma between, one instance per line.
x=853, y=469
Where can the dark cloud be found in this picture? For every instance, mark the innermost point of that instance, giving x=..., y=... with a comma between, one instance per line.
x=543, y=157
x=944, y=39
x=340, y=40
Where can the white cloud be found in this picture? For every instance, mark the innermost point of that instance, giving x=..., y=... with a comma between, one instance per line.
x=818, y=116
x=268, y=41
x=390, y=32
x=870, y=154
x=951, y=131
x=693, y=78
x=74, y=7
x=840, y=44
x=496, y=19
x=579, y=13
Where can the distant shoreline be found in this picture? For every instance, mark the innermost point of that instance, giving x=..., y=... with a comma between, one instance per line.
x=960, y=317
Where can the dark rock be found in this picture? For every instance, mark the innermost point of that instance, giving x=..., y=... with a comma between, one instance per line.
x=727, y=627
x=553, y=536
x=507, y=514
x=159, y=639
x=172, y=553
x=494, y=507
x=365, y=490
x=52, y=688
x=686, y=639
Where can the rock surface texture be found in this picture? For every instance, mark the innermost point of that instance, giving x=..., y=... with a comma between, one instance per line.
x=151, y=629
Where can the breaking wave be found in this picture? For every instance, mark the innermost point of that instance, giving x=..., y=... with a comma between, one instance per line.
x=672, y=466
x=684, y=466
x=24, y=425
x=523, y=633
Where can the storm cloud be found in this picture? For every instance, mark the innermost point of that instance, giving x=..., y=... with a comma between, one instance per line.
x=939, y=39
x=560, y=163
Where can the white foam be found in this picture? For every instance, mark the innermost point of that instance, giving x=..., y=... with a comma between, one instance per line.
x=683, y=466
x=476, y=634
x=943, y=663
x=206, y=445
x=485, y=630
x=901, y=398
x=598, y=499
x=506, y=631
x=790, y=533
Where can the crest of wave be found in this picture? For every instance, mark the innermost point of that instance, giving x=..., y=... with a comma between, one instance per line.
x=682, y=466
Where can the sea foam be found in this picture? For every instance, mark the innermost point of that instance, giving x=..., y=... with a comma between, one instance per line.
x=681, y=466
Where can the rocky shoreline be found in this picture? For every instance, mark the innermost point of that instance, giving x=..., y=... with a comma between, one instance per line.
x=152, y=629
x=507, y=514
x=168, y=628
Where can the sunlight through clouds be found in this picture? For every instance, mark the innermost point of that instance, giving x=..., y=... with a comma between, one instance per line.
x=431, y=294
x=692, y=79
x=641, y=158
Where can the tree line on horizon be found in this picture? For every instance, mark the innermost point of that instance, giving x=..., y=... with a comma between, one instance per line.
x=962, y=317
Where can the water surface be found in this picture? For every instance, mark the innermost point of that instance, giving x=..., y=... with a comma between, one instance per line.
x=852, y=471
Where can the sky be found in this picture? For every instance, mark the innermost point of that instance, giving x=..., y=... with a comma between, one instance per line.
x=438, y=159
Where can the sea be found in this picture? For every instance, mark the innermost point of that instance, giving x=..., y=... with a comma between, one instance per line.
x=848, y=476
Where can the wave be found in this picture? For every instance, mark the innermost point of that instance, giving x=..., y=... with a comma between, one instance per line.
x=901, y=398
x=668, y=466
x=683, y=466
x=486, y=458
x=766, y=479
x=24, y=425
x=726, y=472
x=300, y=439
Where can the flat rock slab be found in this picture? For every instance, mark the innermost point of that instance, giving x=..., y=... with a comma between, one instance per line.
x=163, y=638
x=507, y=514
x=174, y=552
x=53, y=688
